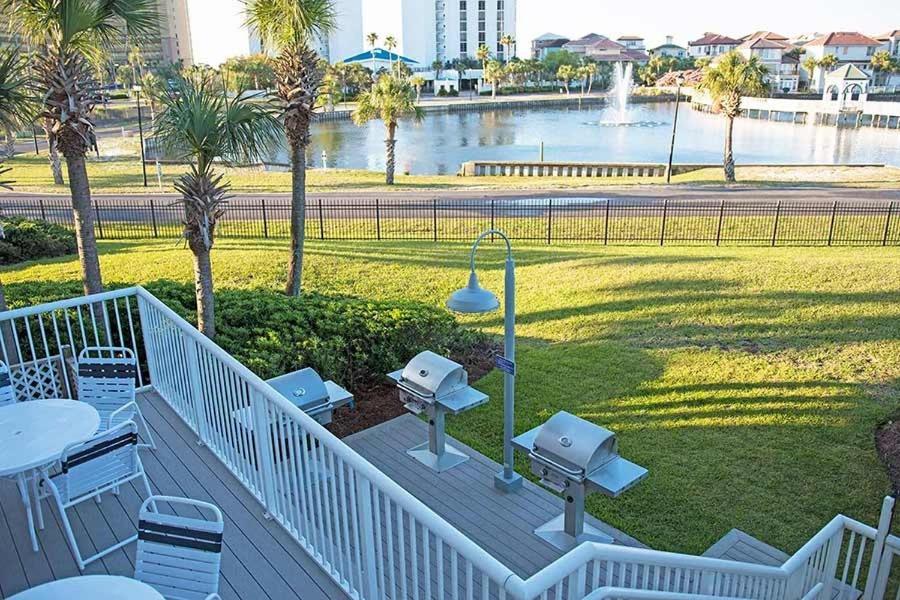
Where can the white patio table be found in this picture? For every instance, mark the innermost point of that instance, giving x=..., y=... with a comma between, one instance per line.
x=91, y=587
x=33, y=434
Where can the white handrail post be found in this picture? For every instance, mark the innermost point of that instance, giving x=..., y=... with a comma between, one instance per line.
x=831, y=563
x=884, y=528
x=149, y=339
x=884, y=571
x=262, y=432
x=197, y=399
x=367, y=535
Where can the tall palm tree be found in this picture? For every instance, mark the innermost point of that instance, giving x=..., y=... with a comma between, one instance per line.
x=390, y=99
x=494, y=74
x=483, y=54
x=417, y=81
x=67, y=35
x=200, y=123
x=882, y=62
x=726, y=82
x=565, y=74
x=590, y=70
x=288, y=27
x=507, y=41
x=390, y=42
x=372, y=39
x=810, y=63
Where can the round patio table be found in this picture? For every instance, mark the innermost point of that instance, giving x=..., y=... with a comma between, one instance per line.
x=34, y=434
x=91, y=587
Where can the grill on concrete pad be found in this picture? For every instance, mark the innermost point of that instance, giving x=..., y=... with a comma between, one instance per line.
x=574, y=457
x=436, y=386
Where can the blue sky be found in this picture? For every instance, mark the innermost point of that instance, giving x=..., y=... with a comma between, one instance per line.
x=217, y=32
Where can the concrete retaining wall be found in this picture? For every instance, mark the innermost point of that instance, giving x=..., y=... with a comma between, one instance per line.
x=488, y=168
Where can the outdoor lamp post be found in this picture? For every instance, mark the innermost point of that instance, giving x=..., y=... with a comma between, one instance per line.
x=475, y=299
x=137, y=91
x=680, y=82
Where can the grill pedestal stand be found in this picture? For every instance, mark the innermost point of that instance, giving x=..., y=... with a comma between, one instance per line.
x=436, y=454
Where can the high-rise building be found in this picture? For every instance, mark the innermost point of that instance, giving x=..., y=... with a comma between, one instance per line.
x=345, y=40
x=445, y=30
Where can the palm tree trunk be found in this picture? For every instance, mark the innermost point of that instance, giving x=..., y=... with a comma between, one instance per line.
x=53, y=155
x=298, y=218
x=203, y=286
x=84, y=224
x=10, y=143
x=494, y=89
x=390, y=143
x=729, y=155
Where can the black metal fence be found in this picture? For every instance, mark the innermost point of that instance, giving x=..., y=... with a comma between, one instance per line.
x=546, y=220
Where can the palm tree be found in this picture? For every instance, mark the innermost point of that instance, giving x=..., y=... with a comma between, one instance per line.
x=67, y=36
x=882, y=62
x=17, y=100
x=507, y=41
x=417, y=82
x=390, y=99
x=590, y=70
x=201, y=124
x=288, y=27
x=372, y=39
x=437, y=66
x=726, y=82
x=390, y=42
x=483, y=54
x=810, y=63
x=565, y=74
x=494, y=74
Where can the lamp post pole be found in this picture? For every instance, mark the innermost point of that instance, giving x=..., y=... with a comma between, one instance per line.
x=674, y=126
x=137, y=90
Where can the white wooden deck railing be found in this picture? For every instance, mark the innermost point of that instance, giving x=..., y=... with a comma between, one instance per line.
x=368, y=533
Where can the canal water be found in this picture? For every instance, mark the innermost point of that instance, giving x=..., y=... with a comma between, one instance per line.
x=442, y=141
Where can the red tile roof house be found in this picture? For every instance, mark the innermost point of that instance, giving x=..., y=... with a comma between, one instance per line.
x=580, y=45
x=849, y=47
x=712, y=45
x=890, y=41
x=773, y=50
x=606, y=50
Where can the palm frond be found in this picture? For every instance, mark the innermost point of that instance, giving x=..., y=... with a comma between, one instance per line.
x=284, y=23
x=390, y=99
x=18, y=101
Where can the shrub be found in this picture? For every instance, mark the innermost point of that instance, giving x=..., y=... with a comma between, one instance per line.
x=453, y=92
x=442, y=92
x=26, y=239
x=351, y=340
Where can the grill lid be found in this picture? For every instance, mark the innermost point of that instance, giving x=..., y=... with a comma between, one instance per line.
x=573, y=445
x=304, y=388
x=432, y=376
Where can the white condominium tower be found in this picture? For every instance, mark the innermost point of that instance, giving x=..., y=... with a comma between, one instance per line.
x=448, y=29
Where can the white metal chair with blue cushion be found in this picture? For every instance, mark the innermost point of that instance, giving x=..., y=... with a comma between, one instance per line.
x=7, y=391
x=106, y=381
x=177, y=555
x=87, y=469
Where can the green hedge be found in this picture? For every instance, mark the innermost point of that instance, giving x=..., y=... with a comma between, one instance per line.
x=27, y=239
x=351, y=340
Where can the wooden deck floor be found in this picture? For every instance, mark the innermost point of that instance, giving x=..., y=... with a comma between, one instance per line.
x=502, y=524
x=260, y=560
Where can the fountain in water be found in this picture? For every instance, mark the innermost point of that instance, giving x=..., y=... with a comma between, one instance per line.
x=621, y=91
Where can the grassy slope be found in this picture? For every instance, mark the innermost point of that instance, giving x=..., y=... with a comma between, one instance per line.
x=748, y=381
x=32, y=174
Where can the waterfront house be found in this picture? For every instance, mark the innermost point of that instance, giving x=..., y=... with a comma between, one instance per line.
x=849, y=47
x=777, y=54
x=712, y=45
x=606, y=50
x=543, y=45
x=890, y=41
x=670, y=48
x=632, y=42
x=580, y=45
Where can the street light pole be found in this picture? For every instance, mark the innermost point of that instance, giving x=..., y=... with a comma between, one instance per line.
x=137, y=90
x=680, y=82
x=475, y=299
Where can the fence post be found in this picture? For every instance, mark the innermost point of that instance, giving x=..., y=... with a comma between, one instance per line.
x=775, y=224
x=265, y=220
x=549, y=220
x=662, y=229
x=831, y=224
x=887, y=224
x=492, y=219
x=43, y=211
x=153, y=218
x=721, y=221
x=99, y=222
x=377, y=219
x=434, y=218
x=367, y=527
x=321, y=221
x=606, y=224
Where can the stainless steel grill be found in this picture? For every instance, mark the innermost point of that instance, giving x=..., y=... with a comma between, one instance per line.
x=317, y=398
x=574, y=457
x=436, y=386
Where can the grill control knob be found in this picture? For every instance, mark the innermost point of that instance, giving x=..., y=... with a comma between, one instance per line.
x=565, y=442
x=423, y=373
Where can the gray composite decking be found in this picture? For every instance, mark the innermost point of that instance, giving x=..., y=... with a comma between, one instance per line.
x=502, y=524
x=259, y=561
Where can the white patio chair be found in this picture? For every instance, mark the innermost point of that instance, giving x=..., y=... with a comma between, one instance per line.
x=179, y=556
x=87, y=469
x=7, y=390
x=106, y=381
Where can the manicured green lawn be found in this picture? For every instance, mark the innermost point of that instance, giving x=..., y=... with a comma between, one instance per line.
x=123, y=176
x=748, y=380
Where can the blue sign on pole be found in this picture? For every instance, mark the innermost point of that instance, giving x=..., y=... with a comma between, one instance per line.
x=505, y=365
